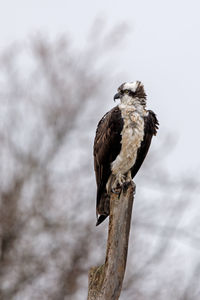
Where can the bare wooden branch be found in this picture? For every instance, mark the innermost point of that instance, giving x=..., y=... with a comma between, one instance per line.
x=105, y=282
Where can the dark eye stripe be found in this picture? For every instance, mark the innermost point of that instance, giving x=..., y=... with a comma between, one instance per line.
x=129, y=92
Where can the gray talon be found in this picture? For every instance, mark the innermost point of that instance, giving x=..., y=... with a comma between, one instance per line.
x=116, y=190
x=125, y=185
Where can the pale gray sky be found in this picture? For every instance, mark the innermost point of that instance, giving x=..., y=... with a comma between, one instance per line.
x=162, y=50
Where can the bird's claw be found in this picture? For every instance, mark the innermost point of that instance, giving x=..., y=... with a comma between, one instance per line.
x=125, y=185
x=116, y=190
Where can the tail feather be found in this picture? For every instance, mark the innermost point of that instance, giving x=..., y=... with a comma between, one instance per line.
x=101, y=219
x=103, y=206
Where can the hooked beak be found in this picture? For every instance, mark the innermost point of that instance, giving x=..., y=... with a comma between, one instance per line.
x=117, y=96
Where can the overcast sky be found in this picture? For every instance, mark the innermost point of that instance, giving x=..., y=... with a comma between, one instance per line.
x=162, y=50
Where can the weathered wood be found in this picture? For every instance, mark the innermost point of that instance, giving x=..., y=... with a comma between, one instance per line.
x=105, y=282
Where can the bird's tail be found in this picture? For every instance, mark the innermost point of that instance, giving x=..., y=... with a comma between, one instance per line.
x=103, y=207
x=100, y=219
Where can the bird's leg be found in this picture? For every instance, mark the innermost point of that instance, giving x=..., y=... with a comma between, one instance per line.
x=118, y=182
x=114, y=184
x=128, y=176
x=122, y=181
x=128, y=180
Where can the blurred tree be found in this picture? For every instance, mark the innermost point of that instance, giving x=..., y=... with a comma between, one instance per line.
x=50, y=93
x=47, y=89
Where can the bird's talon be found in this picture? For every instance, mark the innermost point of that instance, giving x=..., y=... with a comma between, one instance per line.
x=116, y=190
x=125, y=185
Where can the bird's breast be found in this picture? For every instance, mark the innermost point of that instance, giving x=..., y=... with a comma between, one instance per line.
x=132, y=136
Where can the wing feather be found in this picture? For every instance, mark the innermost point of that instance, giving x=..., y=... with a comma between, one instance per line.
x=150, y=129
x=107, y=146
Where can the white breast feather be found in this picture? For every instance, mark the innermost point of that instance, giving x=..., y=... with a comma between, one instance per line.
x=132, y=136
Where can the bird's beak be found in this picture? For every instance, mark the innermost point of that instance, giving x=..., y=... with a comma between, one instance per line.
x=117, y=96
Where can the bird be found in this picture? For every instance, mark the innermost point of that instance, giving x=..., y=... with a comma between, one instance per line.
x=122, y=140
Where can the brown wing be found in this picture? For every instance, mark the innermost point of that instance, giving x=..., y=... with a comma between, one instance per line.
x=107, y=146
x=150, y=129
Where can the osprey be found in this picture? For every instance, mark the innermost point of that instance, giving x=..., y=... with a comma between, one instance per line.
x=122, y=140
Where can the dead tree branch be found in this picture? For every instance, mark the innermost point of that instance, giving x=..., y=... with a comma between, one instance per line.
x=105, y=282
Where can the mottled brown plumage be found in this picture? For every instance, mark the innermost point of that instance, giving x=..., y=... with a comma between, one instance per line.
x=106, y=148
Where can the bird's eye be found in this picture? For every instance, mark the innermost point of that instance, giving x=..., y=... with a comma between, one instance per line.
x=126, y=91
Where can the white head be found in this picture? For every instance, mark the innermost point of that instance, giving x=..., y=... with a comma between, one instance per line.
x=131, y=92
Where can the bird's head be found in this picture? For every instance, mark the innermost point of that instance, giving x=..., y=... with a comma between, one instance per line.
x=131, y=92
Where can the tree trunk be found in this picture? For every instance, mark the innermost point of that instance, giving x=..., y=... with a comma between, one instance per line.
x=105, y=282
